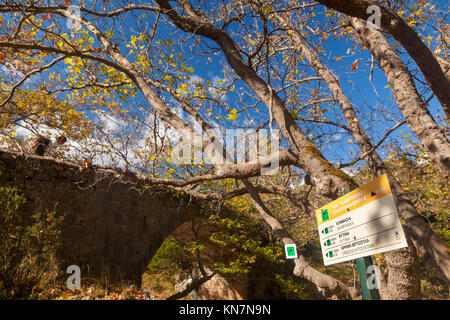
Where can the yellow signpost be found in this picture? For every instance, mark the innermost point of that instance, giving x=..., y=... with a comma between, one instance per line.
x=355, y=199
x=361, y=223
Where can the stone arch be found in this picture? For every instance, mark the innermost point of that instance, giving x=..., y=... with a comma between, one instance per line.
x=110, y=226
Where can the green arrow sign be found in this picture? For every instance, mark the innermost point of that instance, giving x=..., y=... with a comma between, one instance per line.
x=291, y=251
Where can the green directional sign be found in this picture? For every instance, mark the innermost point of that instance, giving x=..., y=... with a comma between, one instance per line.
x=291, y=251
x=325, y=215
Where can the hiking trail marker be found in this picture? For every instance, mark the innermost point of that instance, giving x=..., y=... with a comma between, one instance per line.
x=291, y=251
x=361, y=223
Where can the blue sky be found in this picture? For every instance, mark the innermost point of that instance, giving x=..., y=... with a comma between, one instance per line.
x=355, y=84
x=359, y=89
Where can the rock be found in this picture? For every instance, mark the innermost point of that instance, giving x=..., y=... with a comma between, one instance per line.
x=221, y=288
x=353, y=292
x=181, y=284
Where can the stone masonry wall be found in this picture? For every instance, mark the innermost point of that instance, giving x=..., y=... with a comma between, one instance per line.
x=110, y=225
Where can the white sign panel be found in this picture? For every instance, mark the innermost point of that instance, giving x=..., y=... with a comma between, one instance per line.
x=361, y=223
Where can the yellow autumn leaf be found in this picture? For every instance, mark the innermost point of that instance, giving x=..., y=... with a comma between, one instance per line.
x=233, y=115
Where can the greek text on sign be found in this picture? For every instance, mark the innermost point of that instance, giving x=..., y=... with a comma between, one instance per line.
x=361, y=223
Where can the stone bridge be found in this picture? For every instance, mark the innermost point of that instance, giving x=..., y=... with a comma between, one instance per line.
x=111, y=226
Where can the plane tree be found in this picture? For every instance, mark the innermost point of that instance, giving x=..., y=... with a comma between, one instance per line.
x=130, y=71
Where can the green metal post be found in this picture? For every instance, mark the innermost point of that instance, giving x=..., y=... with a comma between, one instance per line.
x=363, y=264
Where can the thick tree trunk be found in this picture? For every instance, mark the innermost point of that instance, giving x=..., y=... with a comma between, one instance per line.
x=326, y=285
x=401, y=285
x=328, y=180
x=409, y=39
x=403, y=270
x=405, y=93
x=364, y=143
x=420, y=230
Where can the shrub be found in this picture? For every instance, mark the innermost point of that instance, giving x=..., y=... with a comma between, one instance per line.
x=171, y=256
x=28, y=244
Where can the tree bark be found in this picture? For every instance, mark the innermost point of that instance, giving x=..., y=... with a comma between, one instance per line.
x=328, y=180
x=360, y=136
x=403, y=269
x=409, y=39
x=408, y=99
